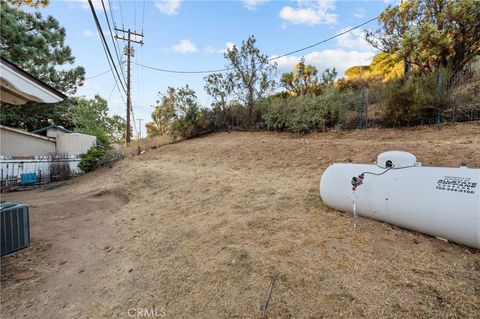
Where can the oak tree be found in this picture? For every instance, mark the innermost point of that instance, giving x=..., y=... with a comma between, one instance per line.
x=430, y=34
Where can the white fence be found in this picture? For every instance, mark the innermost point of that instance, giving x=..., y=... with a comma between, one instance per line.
x=47, y=168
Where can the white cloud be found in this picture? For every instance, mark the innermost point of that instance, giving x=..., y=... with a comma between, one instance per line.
x=253, y=4
x=211, y=49
x=310, y=12
x=359, y=13
x=184, y=47
x=90, y=34
x=228, y=46
x=169, y=7
x=354, y=39
x=339, y=58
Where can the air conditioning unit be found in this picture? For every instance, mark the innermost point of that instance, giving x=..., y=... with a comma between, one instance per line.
x=14, y=227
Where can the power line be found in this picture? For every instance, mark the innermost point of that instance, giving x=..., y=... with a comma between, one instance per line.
x=325, y=40
x=181, y=72
x=111, y=70
x=96, y=76
x=105, y=45
x=111, y=92
x=111, y=14
x=113, y=41
x=270, y=59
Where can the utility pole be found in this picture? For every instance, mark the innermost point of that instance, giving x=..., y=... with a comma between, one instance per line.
x=129, y=53
x=139, y=128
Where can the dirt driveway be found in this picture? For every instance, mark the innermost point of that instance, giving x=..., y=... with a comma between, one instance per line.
x=202, y=229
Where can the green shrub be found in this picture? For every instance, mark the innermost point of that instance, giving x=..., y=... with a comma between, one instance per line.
x=335, y=104
x=91, y=158
x=238, y=115
x=399, y=104
x=293, y=114
x=217, y=118
x=414, y=101
x=302, y=114
x=189, y=124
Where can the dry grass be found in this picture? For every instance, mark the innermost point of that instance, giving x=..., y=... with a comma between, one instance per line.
x=210, y=222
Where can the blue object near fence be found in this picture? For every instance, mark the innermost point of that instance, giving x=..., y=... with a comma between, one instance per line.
x=28, y=179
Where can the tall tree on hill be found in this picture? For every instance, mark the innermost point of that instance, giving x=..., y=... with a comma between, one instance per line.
x=431, y=34
x=251, y=74
x=306, y=80
x=37, y=44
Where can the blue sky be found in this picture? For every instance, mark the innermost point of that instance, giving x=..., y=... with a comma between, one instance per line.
x=192, y=35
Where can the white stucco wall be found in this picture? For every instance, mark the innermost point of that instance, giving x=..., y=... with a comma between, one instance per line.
x=17, y=144
x=74, y=143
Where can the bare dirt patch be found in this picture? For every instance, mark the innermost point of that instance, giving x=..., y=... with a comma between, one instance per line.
x=201, y=228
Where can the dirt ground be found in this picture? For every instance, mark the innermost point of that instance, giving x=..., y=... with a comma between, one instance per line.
x=205, y=228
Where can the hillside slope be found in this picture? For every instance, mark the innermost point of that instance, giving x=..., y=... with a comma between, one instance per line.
x=201, y=228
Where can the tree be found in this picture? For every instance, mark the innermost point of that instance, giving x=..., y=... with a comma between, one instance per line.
x=220, y=90
x=31, y=3
x=116, y=128
x=305, y=80
x=32, y=116
x=251, y=75
x=384, y=67
x=90, y=116
x=430, y=34
x=38, y=45
x=328, y=77
x=177, y=114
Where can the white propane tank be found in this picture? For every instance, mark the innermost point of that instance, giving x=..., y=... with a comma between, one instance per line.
x=438, y=201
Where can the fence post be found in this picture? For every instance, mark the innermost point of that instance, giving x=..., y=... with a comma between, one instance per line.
x=361, y=108
x=366, y=107
x=6, y=180
x=439, y=96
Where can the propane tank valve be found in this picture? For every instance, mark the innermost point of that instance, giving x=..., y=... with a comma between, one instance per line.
x=357, y=181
